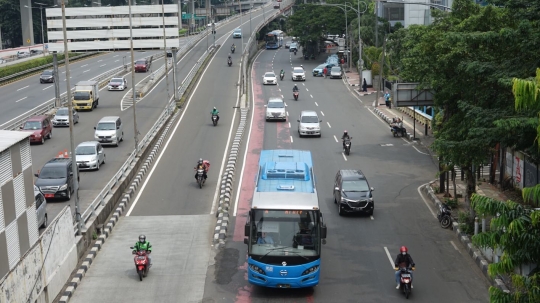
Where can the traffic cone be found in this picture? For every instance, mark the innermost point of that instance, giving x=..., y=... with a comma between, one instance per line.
x=66, y=155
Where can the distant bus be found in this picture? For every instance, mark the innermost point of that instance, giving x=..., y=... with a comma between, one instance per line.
x=274, y=39
x=285, y=228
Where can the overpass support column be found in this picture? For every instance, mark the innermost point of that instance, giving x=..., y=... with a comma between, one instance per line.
x=26, y=23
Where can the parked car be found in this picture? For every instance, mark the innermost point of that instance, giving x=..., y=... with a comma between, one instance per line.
x=117, y=83
x=55, y=180
x=89, y=155
x=62, y=117
x=336, y=72
x=40, y=127
x=269, y=78
x=275, y=110
x=23, y=54
x=309, y=124
x=36, y=52
x=352, y=192
x=41, y=208
x=47, y=76
x=318, y=71
x=298, y=74
x=109, y=131
x=142, y=65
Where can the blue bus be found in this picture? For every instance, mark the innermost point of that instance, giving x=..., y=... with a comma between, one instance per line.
x=285, y=228
x=274, y=39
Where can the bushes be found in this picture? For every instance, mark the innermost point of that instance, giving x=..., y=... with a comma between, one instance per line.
x=26, y=65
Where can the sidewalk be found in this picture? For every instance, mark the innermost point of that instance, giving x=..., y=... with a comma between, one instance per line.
x=426, y=138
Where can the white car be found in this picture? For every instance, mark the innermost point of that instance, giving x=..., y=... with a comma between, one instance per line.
x=237, y=33
x=61, y=118
x=89, y=155
x=298, y=74
x=117, y=84
x=269, y=78
x=275, y=110
x=309, y=124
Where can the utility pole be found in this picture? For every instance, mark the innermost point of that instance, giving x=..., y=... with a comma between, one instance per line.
x=241, y=36
x=75, y=168
x=132, y=64
x=179, y=19
x=57, y=101
x=175, y=77
x=192, y=15
x=377, y=43
x=207, y=19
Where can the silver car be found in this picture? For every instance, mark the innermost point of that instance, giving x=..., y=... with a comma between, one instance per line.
x=89, y=155
x=275, y=110
x=298, y=74
x=62, y=117
x=309, y=124
x=336, y=72
x=41, y=207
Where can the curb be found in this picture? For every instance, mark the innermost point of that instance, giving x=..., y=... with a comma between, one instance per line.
x=222, y=214
x=389, y=120
x=107, y=229
x=474, y=253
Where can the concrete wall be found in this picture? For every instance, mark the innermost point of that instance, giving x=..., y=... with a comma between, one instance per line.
x=42, y=272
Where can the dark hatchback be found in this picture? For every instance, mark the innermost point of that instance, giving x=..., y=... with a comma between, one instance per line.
x=55, y=179
x=352, y=192
x=46, y=77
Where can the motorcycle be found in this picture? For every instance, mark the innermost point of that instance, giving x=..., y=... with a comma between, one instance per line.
x=200, y=177
x=295, y=95
x=405, y=280
x=294, y=52
x=396, y=131
x=214, y=119
x=281, y=76
x=141, y=263
x=229, y=62
x=444, y=215
x=233, y=49
x=306, y=57
x=347, y=148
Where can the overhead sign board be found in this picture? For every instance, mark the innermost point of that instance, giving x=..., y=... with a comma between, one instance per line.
x=408, y=94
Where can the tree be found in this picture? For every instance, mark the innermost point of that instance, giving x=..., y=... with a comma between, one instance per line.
x=10, y=21
x=515, y=230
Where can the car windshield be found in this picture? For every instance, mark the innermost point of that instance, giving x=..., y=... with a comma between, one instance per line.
x=32, y=125
x=336, y=69
x=275, y=104
x=62, y=112
x=237, y=31
x=298, y=70
x=47, y=73
x=321, y=66
x=81, y=95
x=52, y=173
x=355, y=185
x=310, y=119
x=85, y=150
x=106, y=126
x=117, y=80
x=141, y=62
x=270, y=75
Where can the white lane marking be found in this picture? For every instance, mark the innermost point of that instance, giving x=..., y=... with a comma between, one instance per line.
x=84, y=65
x=48, y=87
x=420, y=193
x=372, y=218
x=289, y=124
x=20, y=100
x=291, y=140
x=102, y=65
x=316, y=104
x=329, y=124
x=311, y=96
x=303, y=84
x=307, y=90
x=279, y=89
x=285, y=104
x=63, y=72
x=116, y=60
x=282, y=97
x=343, y=154
x=322, y=113
x=420, y=151
x=287, y=114
x=100, y=60
x=453, y=244
x=335, y=138
x=116, y=56
x=84, y=71
x=389, y=257
x=23, y=87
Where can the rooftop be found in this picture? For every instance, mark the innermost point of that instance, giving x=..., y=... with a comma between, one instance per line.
x=9, y=137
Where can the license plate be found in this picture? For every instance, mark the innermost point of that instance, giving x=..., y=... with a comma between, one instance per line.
x=405, y=275
x=310, y=133
x=357, y=208
x=82, y=165
x=49, y=195
x=105, y=140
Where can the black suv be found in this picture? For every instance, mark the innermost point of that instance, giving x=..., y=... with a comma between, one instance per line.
x=55, y=180
x=352, y=192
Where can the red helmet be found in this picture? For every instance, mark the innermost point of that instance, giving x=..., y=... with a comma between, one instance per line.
x=403, y=249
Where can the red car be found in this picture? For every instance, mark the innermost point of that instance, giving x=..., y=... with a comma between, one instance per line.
x=142, y=65
x=40, y=127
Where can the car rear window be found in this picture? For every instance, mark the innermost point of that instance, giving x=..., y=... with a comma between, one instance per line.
x=140, y=62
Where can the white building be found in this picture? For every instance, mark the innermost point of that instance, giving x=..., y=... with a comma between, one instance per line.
x=408, y=13
x=107, y=27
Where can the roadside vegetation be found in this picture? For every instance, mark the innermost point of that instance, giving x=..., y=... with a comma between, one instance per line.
x=482, y=63
x=9, y=70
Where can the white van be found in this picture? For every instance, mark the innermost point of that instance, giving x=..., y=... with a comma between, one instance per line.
x=41, y=207
x=109, y=131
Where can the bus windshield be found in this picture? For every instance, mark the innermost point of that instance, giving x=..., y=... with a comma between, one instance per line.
x=279, y=233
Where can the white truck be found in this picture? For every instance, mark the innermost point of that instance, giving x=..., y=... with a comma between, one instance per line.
x=86, y=95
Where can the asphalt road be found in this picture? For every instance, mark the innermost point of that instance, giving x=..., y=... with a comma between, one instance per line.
x=355, y=265
x=23, y=95
x=169, y=196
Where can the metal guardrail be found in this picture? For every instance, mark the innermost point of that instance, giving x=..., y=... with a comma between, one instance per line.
x=28, y=71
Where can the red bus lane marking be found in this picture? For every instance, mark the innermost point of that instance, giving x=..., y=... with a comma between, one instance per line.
x=283, y=135
x=252, y=159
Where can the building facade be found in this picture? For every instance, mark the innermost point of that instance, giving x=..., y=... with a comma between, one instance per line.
x=107, y=28
x=408, y=13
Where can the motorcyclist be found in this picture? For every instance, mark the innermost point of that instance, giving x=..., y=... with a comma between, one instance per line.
x=215, y=112
x=203, y=165
x=233, y=47
x=403, y=258
x=229, y=60
x=281, y=74
x=295, y=89
x=142, y=244
x=345, y=137
x=397, y=124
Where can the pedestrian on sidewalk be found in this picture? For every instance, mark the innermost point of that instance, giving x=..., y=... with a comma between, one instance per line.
x=364, y=86
x=387, y=100
x=325, y=71
x=342, y=61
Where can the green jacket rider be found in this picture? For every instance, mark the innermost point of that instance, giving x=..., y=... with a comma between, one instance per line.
x=142, y=244
x=215, y=112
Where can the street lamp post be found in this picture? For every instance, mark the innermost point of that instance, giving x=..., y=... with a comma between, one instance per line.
x=250, y=9
x=241, y=36
x=135, y=130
